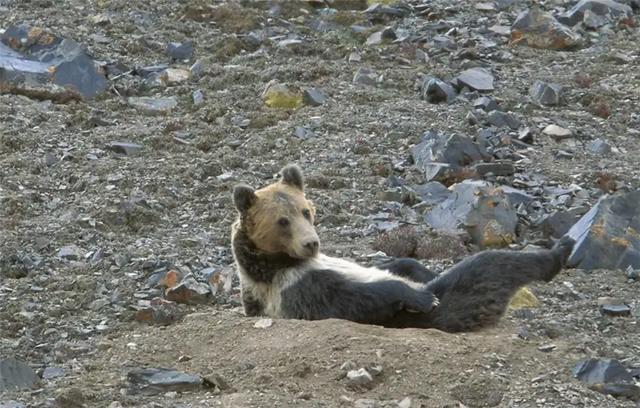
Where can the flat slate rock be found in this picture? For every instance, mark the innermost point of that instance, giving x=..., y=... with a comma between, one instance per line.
x=546, y=94
x=602, y=371
x=14, y=374
x=607, y=235
x=162, y=380
x=477, y=79
x=480, y=209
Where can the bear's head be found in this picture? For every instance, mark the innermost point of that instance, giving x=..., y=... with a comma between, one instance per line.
x=278, y=219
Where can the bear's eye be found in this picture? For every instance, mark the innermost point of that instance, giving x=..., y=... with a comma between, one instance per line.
x=283, y=222
x=306, y=213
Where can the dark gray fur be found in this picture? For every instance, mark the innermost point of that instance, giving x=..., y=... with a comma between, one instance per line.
x=292, y=175
x=324, y=294
x=410, y=269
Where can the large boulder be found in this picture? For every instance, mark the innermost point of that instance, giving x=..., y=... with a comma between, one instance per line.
x=41, y=65
x=441, y=156
x=606, y=8
x=607, y=236
x=480, y=209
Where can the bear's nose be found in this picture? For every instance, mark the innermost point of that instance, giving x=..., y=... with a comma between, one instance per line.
x=312, y=245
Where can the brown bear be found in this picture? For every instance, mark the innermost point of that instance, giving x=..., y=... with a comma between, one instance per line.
x=283, y=274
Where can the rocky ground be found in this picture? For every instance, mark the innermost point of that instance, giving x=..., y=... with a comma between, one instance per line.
x=90, y=227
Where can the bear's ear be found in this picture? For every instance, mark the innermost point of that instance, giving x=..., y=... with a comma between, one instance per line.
x=292, y=175
x=243, y=197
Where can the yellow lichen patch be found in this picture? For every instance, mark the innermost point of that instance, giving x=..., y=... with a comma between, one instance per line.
x=282, y=97
x=523, y=299
x=493, y=236
x=620, y=241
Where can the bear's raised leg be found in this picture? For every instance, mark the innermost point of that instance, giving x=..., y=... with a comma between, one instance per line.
x=476, y=292
x=410, y=269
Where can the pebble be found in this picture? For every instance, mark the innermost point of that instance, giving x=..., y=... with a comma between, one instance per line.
x=263, y=323
x=546, y=94
x=557, y=132
x=180, y=51
x=52, y=372
x=599, y=146
x=365, y=76
x=126, y=148
x=153, y=105
x=387, y=34
x=485, y=103
x=71, y=253
x=197, y=97
x=614, y=307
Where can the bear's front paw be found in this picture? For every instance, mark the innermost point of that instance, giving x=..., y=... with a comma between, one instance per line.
x=424, y=302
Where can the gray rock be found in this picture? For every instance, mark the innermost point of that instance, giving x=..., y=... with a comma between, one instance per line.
x=486, y=104
x=546, y=94
x=501, y=119
x=303, y=132
x=432, y=192
x=440, y=155
x=480, y=209
x=516, y=196
x=505, y=168
x=559, y=223
x=599, y=146
x=633, y=273
x=602, y=371
x=594, y=21
x=365, y=76
x=435, y=91
x=162, y=380
x=387, y=34
x=197, y=97
x=313, y=97
x=126, y=148
x=616, y=310
x=52, y=372
x=44, y=66
x=598, y=7
x=197, y=69
x=153, y=105
x=15, y=374
x=71, y=253
x=180, y=51
x=159, y=312
x=12, y=404
x=605, y=236
x=476, y=79
x=189, y=291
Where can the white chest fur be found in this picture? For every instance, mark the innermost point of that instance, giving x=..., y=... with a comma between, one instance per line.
x=269, y=294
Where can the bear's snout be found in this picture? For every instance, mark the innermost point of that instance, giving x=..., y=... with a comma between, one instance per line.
x=312, y=246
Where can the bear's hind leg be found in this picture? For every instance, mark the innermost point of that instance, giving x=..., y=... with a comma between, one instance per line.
x=475, y=293
x=410, y=269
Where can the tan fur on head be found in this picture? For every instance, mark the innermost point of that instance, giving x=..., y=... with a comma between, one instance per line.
x=278, y=218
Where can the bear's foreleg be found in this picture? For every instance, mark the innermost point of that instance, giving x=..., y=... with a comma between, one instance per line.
x=475, y=293
x=325, y=294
